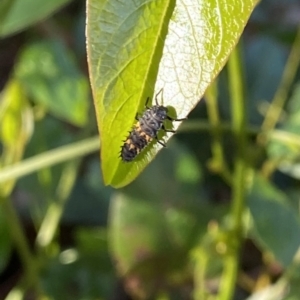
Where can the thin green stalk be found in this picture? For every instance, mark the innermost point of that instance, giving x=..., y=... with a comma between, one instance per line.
x=49, y=226
x=201, y=266
x=50, y=158
x=45, y=234
x=238, y=107
x=281, y=95
x=204, y=125
x=218, y=163
x=53, y=215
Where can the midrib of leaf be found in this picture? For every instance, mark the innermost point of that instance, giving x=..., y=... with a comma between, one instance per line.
x=120, y=89
x=152, y=67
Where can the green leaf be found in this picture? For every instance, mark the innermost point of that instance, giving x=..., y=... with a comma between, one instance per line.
x=284, y=145
x=16, y=126
x=16, y=118
x=140, y=223
x=137, y=47
x=53, y=80
x=150, y=240
x=276, y=224
x=16, y=15
x=159, y=217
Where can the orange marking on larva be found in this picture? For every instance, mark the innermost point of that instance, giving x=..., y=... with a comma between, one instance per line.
x=137, y=125
x=147, y=137
x=131, y=146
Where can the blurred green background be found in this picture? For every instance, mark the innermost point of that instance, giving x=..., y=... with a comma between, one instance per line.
x=64, y=235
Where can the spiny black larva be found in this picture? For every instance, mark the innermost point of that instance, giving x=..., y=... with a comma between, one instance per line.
x=146, y=129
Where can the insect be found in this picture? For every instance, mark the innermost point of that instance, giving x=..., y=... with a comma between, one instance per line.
x=146, y=129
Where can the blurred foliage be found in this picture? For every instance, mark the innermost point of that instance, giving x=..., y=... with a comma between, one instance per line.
x=16, y=15
x=170, y=234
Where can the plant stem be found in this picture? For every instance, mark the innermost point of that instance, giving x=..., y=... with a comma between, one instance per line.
x=238, y=106
x=53, y=215
x=217, y=163
x=281, y=95
x=50, y=158
x=204, y=125
x=201, y=266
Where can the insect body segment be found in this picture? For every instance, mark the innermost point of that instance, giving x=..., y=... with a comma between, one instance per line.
x=145, y=130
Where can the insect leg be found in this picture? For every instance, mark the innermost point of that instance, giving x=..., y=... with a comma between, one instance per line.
x=164, y=145
x=172, y=119
x=148, y=98
x=160, y=91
